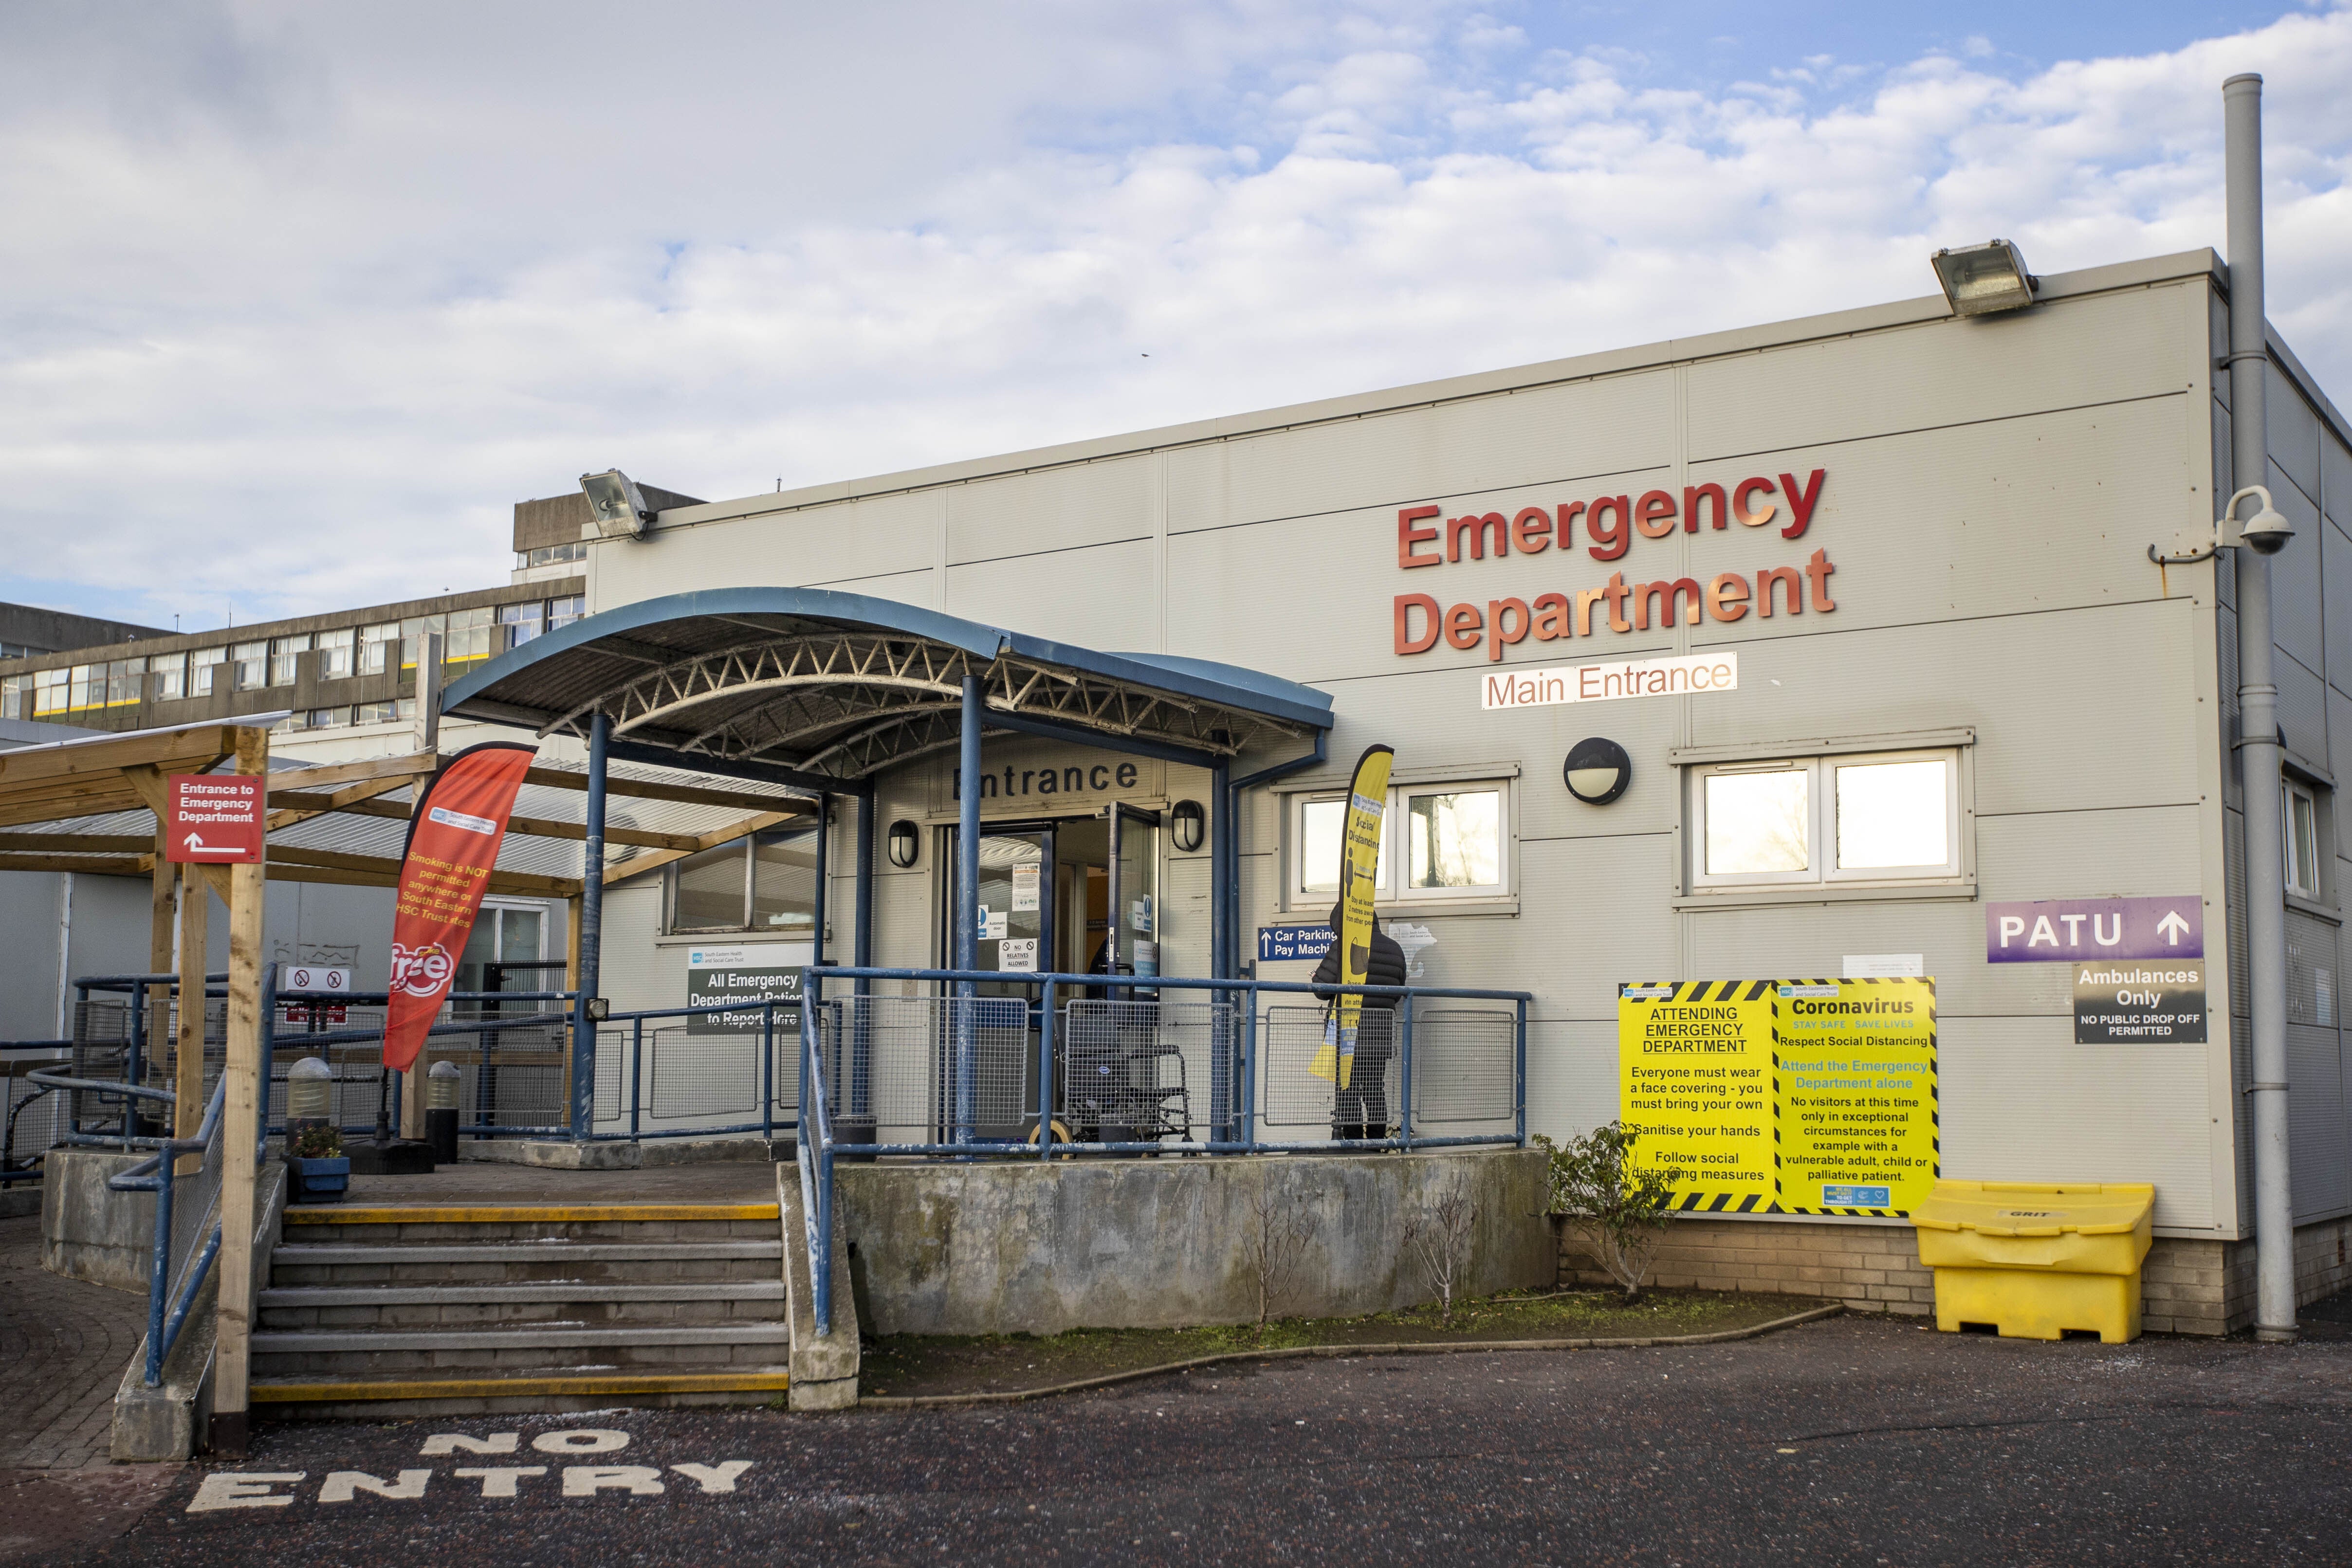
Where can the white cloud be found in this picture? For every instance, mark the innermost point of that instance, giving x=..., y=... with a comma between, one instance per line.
x=327, y=296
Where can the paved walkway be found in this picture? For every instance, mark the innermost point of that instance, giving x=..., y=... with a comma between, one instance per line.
x=63, y=1347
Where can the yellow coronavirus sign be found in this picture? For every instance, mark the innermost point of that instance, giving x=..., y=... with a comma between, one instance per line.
x=1783, y=1097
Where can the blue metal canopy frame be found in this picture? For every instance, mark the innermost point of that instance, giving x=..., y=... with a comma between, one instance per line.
x=819, y=691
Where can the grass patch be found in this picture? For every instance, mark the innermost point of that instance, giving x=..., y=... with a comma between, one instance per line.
x=921, y=1364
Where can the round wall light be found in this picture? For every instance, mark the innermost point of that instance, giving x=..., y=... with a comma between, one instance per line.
x=1189, y=824
x=904, y=841
x=1597, y=770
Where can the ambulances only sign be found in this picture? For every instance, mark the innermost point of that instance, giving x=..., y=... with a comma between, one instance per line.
x=1783, y=1097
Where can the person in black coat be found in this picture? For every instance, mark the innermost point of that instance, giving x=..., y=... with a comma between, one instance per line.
x=1361, y=1109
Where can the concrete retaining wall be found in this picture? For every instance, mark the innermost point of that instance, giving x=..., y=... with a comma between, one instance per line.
x=89, y=1231
x=1006, y=1247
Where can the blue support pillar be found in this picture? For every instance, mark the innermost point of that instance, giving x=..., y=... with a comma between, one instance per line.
x=592, y=934
x=865, y=939
x=1222, y=873
x=967, y=912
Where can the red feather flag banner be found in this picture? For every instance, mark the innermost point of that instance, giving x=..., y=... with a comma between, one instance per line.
x=454, y=833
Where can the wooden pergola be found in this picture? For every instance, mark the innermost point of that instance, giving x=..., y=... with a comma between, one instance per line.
x=53, y=797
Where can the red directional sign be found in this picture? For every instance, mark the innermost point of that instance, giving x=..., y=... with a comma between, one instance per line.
x=215, y=819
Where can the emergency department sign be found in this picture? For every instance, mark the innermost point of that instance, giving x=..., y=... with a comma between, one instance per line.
x=1783, y=1097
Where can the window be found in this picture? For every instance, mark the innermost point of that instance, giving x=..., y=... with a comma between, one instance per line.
x=78, y=686
x=469, y=635
x=252, y=662
x=376, y=646
x=282, y=651
x=2302, y=840
x=562, y=612
x=126, y=681
x=522, y=621
x=548, y=555
x=335, y=653
x=329, y=717
x=379, y=713
x=171, y=671
x=412, y=637
x=13, y=689
x=204, y=666
x=1454, y=839
x=766, y=882
x=1885, y=817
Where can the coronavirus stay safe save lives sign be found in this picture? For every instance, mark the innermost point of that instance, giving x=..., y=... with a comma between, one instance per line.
x=1783, y=1097
x=214, y=818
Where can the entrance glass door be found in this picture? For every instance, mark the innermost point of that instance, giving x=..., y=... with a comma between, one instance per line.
x=1134, y=891
x=1014, y=906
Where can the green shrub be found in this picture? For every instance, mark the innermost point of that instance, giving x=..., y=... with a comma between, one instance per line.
x=1621, y=1211
x=318, y=1141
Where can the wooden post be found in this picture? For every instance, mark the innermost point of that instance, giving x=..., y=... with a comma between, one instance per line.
x=241, y=1129
x=188, y=1047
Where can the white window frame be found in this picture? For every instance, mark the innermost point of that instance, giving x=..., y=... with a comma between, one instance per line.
x=1823, y=870
x=2289, y=788
x=1391, y=890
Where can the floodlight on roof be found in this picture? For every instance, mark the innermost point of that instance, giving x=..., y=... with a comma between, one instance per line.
x=617, y=505
x=1980, y=279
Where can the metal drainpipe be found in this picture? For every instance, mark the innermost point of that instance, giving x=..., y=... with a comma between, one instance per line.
x=2274, y=1303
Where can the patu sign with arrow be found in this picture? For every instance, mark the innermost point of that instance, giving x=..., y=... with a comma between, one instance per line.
x=2139, y=970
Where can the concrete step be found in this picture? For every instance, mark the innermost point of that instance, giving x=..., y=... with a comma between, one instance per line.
x=515, y=1262
x=406, y=1397
x=333, y=1308
x=389, y=1224
x=571, y=1346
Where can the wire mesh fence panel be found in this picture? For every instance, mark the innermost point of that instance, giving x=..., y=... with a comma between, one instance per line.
x=101, y=1049
x=1139, y=1072
x=929, y=1069
x=516, y=1074
x=36, y=1119
x=1463, y=1067
x=1298, y=1073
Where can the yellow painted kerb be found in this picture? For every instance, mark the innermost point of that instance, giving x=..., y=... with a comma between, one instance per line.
x=521, y=1387
x=519, y=1214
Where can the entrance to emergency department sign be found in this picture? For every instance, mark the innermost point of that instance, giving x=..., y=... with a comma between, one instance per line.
x=1783, y=1097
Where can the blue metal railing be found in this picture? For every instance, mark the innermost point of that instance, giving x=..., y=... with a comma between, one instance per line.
x=167, y=1307
x=816, y=1151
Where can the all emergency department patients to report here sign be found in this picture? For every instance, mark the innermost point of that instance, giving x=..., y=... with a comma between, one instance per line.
x=1783, y=1097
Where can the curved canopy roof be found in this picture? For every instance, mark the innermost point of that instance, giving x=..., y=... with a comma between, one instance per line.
x=840, y=685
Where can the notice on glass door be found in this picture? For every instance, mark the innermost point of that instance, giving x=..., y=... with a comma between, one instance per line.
x=1024, y=888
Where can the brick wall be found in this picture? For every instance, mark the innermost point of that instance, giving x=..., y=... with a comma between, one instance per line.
x=2187, y=1287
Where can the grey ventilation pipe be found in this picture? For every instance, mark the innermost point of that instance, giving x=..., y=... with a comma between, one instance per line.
x=2259, y=747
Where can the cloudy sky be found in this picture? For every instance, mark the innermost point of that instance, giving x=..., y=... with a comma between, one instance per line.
x=300, y=298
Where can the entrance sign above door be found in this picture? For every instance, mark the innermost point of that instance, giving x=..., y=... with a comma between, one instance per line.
x=215, y=820
x=2061, y=930
x=1684, y=675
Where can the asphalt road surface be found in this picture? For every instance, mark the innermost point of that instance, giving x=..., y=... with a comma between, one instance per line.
x=1854, y=1440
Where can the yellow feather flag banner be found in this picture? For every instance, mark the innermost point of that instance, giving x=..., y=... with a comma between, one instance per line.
x=1360, y=856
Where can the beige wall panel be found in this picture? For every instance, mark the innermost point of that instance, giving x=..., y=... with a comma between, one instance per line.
x=1942, y=373
x=907, y=586
x=1099, y=597
x=1543, y=436
x=2023, y=1102
x=2044, y=693
x=2302, y=708
x=2015, y=515
x=2291, y=431
x=1586, y=938
x=1060, y=508
x=1184, y=916
x=634, y=972
x=1312, y=598
x=827, y=544
x=2335, y=576
x=2297, y=579
x=2335, y=477
x=1571, y=1077
x=2317, y=1135
x=2339, y=762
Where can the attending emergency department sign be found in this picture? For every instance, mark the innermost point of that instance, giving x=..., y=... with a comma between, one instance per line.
x=1783, y=1097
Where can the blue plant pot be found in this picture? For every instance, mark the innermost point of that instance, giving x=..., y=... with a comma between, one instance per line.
x=319, y=1181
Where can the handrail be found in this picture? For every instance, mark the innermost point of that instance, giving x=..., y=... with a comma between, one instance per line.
x=167, y=1311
